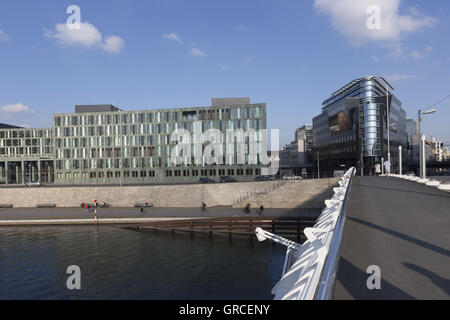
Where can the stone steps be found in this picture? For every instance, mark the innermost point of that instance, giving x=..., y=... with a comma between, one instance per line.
x=309, y=194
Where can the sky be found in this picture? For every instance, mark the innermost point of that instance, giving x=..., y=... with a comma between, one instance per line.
x=290, y=54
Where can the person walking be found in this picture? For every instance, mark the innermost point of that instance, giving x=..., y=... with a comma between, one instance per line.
x=261, y=209
x=387, y=167
x=358, y=168
x=377, y=169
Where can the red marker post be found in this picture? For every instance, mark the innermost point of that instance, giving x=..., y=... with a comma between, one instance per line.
x=95, y=211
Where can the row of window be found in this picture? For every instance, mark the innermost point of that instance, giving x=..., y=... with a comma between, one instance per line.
x=145, y=129
x=25, y=142
x=151, y=174
x=21, y=151
x=29, y=133
x=155, y=162
x=150, y=117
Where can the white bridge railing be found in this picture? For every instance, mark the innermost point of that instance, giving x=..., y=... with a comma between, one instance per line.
x=309, y=270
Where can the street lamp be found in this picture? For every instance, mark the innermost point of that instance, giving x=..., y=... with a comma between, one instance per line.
x=388, y=125
x=422, y=170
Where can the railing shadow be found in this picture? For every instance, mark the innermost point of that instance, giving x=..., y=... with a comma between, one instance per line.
x=440, y=282
x=403, y=236
x=354, y=281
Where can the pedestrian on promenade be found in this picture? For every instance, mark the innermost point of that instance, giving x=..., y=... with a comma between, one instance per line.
x=377, y=169
x=387, y=167
x=247, y=208
x=261, y=209
x=358, y=168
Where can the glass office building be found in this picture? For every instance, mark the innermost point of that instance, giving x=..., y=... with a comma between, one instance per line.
x=26, y=155
x=353, y=127
x=102, y=144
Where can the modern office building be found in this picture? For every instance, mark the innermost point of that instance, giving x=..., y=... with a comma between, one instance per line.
x=26, y=155
x=101, y=144
x=353, y=127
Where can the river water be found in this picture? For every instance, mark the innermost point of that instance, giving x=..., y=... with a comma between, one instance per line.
x=120, y=263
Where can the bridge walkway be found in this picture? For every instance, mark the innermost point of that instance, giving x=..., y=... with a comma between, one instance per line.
x=404, y=228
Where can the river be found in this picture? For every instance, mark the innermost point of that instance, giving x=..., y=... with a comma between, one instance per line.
x=120, y=263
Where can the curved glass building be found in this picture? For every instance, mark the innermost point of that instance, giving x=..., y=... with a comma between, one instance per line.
x=353, y=126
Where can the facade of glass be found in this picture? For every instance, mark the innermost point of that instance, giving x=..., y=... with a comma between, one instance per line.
x=353, y=126
x=135, y=147
x=26, y=155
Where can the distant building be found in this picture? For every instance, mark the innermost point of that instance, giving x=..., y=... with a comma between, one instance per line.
x=413, y=140
x=446, y=153
x=353, y=127
x=436, y=152
x=297, y=157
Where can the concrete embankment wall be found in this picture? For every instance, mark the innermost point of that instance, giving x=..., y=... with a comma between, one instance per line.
x=172, y=196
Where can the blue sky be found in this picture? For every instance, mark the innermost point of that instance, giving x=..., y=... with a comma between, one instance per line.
x=290, y=54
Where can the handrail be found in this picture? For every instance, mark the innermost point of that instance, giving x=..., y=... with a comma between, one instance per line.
x=328, y=279
x=309, y=272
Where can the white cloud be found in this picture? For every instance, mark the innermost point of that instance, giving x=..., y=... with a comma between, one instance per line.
x=173, y=37
x=349, y=17
x=4, y=36
x=11, y=111
x=87, y=36
x=15, y=108
x=197, y=52
x=399, y=77
x=113, y=44
x=241, y=27
x=418, y=54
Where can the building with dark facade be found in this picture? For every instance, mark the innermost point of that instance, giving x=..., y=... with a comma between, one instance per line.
x=353, y=127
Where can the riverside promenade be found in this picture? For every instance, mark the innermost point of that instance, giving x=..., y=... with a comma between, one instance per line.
x=402, y=227
x=62, y=216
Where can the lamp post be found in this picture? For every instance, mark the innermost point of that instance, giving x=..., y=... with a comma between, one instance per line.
x=388, y=125
x=422, y=170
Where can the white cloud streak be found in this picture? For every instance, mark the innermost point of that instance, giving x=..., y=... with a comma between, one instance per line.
x=399, y=77
x=4, y=36
x=172, y=37
x=87, y=36
x=197, y=52
x=12, y=111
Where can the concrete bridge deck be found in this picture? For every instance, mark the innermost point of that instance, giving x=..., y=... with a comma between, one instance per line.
x=404, y=228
